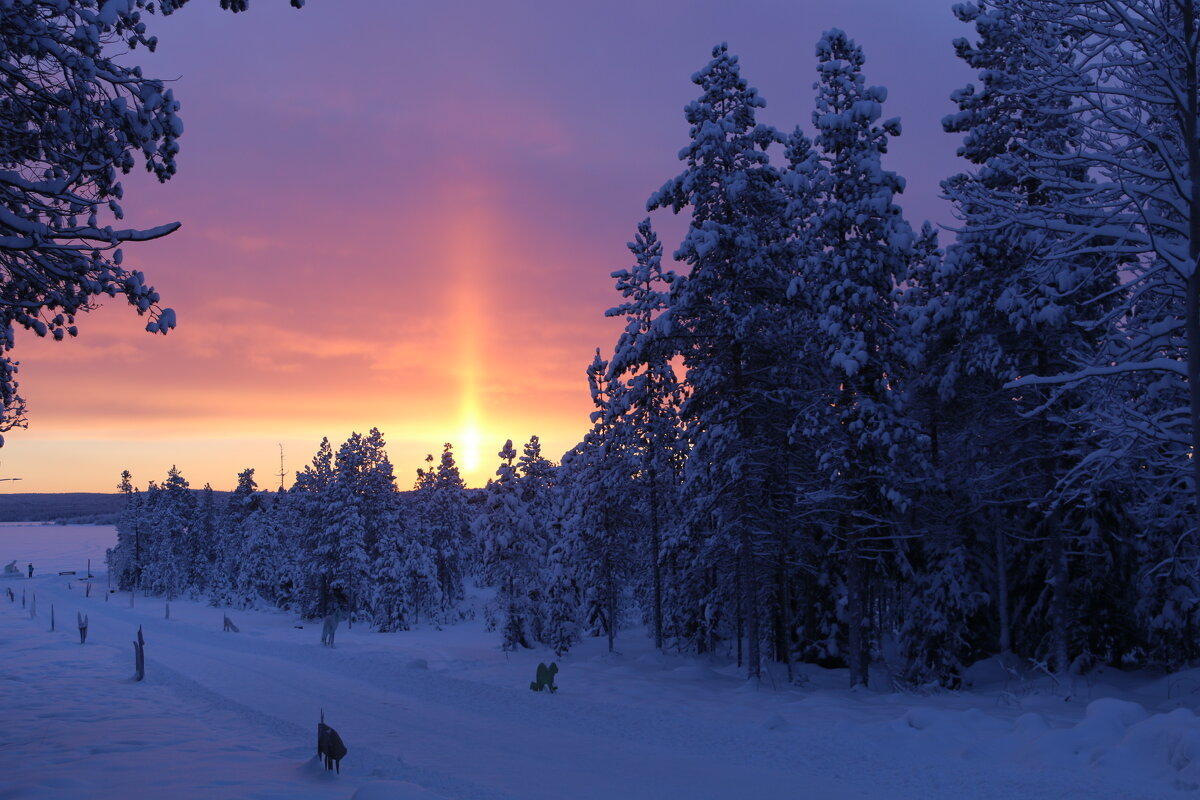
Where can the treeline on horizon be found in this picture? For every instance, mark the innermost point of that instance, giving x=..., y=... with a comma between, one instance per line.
x=79, y=507
x=828, y=438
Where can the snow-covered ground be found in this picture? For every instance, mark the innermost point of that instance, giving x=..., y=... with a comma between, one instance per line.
x=446, y=714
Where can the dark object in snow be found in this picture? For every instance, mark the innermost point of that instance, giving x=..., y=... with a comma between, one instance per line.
x=83, y=623
x=139, y=656
x=31, y=570
x=229, y=626
x=329, y=745
x=66, y=572
x=545, y=678
x=52, y=617
x=12, y=598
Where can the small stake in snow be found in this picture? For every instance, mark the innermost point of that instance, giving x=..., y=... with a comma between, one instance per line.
x=87, y=590
x=139, y=656
x=229, y=626
x=329, y=745
x=22, y=598
x=168, y=610
x=11, y=597
x=83, y=621
x=545, y=678
x=52, y=617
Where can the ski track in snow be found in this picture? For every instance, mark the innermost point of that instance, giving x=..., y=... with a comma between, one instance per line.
x=445, y=714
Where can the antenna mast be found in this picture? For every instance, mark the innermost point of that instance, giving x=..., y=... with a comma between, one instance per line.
x=282, y=472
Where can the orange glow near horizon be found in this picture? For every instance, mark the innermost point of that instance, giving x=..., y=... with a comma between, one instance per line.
x=470, y=240
x=467, y=355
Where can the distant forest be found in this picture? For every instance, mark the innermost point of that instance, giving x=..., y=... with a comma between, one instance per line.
x=81, y=508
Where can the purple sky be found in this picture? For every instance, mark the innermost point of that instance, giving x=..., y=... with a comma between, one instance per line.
x=404, y=215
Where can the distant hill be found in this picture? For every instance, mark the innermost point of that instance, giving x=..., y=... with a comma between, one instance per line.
x=79, y=507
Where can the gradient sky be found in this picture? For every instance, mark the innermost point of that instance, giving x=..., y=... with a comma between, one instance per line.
x=404, y=215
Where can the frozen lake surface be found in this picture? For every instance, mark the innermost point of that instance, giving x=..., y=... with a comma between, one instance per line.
x=446, y=714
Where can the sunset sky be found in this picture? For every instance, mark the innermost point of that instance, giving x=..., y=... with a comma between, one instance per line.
x=404, y=215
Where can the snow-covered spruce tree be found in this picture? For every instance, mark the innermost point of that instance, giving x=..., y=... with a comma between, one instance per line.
x=307, y=498
x=124, y=558
x=553, y=599
x=203, y=532
x=946, y=571
x=805, y=554
x=340, y=550
x=445, y=525
x=258, y=577
x=367, y=472
x=596, y=480
x=73, y=118
x=376, y=483
x=511, y=556
x=168, y=514
x=226, y=581
x=861, y=248
x=402, y=580
x=724, y=319
x=286, y=574
x=648, y=408
x=559, y=600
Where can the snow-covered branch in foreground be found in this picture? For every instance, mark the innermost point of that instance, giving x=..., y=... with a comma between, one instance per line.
x=1157, y=365
x=73, y=118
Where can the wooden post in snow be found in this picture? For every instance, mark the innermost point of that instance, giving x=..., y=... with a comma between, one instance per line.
x=139, y=656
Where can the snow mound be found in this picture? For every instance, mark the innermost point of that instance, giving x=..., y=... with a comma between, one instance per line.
x=1122, y=735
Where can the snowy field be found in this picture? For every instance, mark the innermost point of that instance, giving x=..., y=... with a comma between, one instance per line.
x=446, y=714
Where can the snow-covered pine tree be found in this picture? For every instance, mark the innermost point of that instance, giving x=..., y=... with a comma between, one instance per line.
x=724, y=320
x=1023, y=299
x=649, y=407
x=860, y=252
x=74, y=115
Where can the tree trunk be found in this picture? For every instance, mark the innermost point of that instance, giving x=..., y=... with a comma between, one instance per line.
x=855, y=610
x=1002, y=591
x=1192, y=308
x=750, y=608
x=1060, y=581
x=655, y=559
x=740, y=584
